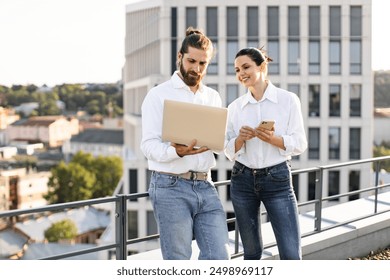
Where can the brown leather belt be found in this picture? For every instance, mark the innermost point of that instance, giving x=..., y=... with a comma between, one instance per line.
x=190, y=175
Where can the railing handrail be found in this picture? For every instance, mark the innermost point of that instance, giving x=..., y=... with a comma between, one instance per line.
x=121, y=200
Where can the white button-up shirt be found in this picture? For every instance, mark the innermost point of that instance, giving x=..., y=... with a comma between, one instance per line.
x=277, y=104
x=161, y=155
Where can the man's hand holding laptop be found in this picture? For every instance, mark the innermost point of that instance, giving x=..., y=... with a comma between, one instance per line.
x=185, y=150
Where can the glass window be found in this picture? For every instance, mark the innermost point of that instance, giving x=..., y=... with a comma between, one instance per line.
x=232, y=22
x=133, y=182
x=295, y=88
x=335, y=21
x=191, y=18
x=293, y=21
x=132, y=223
x=335, y=57
x=312, y=186
x=293, y=57
x=231, y=93
x=334, y=184
x=252, y=23
x=212, y=22
x=354, y=143
x=334, y=143
x=314, y=57
x=354, y=183
x=355, y=92
x=356, y=21
x=355, y=57
x=151, y=223
x=314, y=143
x=232, y=49
x=212, y=68
x=314, y=21
x=273, y=22
x=334, y=100
x=273, y=52
x=314, y=100
x=212, y=33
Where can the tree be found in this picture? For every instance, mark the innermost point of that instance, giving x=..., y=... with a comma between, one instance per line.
x=65, y=229
x=383, y=150
x=85, y=177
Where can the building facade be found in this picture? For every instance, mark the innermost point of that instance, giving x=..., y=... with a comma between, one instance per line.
x=321, y=51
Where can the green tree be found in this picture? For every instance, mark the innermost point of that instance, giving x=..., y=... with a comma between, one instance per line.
x=65, y=229
x=85, y=177
x=383, y=150
x=70, y=182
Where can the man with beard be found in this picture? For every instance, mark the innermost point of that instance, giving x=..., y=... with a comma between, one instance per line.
x=185, y=202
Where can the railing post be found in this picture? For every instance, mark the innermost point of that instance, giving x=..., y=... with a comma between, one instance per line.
x=377, y=169
x=121, y=227
x=318, y=197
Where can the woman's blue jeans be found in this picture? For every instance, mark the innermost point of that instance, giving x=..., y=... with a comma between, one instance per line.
x=273, y=187
x=185, y=209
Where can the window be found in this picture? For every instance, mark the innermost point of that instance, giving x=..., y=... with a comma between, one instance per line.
x=355, y=100
x=293, y=40
x=232, y=38
x=312, y=186
x=273, y=39
x=314, y=57
x=314, y=143
x=231, y=93
x=295, y=181
x=334, y=143
x=356, y=21
x=335, y=57
x=293, y=57
x=212, y=33
x=334, y=184
x=354, y=142
x=335, y=40
x=314, y=100
x=132, y=222
x=151, y=223
x=252, y=26
x=232, y=49
x=174, y=49
x=334, y=100
x=355, y=57
x=295, y=88
x=133, y=182
x=314, y=21
x=354, y=182
x=191, y=19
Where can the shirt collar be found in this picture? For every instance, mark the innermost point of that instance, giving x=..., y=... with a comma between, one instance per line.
x=270, y=94
x=177, y=82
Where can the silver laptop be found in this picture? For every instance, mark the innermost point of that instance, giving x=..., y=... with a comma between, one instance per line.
x=183, y=122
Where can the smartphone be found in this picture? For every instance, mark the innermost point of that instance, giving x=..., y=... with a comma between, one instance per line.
x=267, y=124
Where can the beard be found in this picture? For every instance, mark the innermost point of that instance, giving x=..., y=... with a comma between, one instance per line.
x=190, y=78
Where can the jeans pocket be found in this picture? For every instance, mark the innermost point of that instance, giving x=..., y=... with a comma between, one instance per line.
x=237, y=169
x=280, y=175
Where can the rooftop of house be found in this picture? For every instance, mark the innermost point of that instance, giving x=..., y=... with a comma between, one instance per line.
x=106, y=136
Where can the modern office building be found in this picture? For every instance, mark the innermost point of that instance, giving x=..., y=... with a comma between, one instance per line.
x=321, y=51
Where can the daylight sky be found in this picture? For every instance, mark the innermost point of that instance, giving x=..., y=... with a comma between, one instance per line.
x=78, y=41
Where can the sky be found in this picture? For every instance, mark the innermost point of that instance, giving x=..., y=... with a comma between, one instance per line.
x=82, y=41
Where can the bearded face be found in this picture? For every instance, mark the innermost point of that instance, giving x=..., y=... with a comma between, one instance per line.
x=191, y=78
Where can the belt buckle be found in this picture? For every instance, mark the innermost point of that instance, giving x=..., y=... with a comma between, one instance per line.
x=194, y=175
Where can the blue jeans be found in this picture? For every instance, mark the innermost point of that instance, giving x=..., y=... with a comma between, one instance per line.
x=271, y=186
x=185, y=209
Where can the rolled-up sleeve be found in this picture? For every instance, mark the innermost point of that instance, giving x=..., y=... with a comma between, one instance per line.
x=295, y=141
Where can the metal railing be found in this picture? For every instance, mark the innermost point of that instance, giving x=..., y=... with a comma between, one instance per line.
x=120, y=200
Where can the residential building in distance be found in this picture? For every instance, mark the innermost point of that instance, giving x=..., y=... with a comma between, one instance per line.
x=50, y=130
x=321, y=51
x=98, y=142
x=20, y=189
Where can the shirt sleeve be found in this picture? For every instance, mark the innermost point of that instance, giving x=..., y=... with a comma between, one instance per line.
x=295, y=140
x=151, y=144
x=231, y=137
